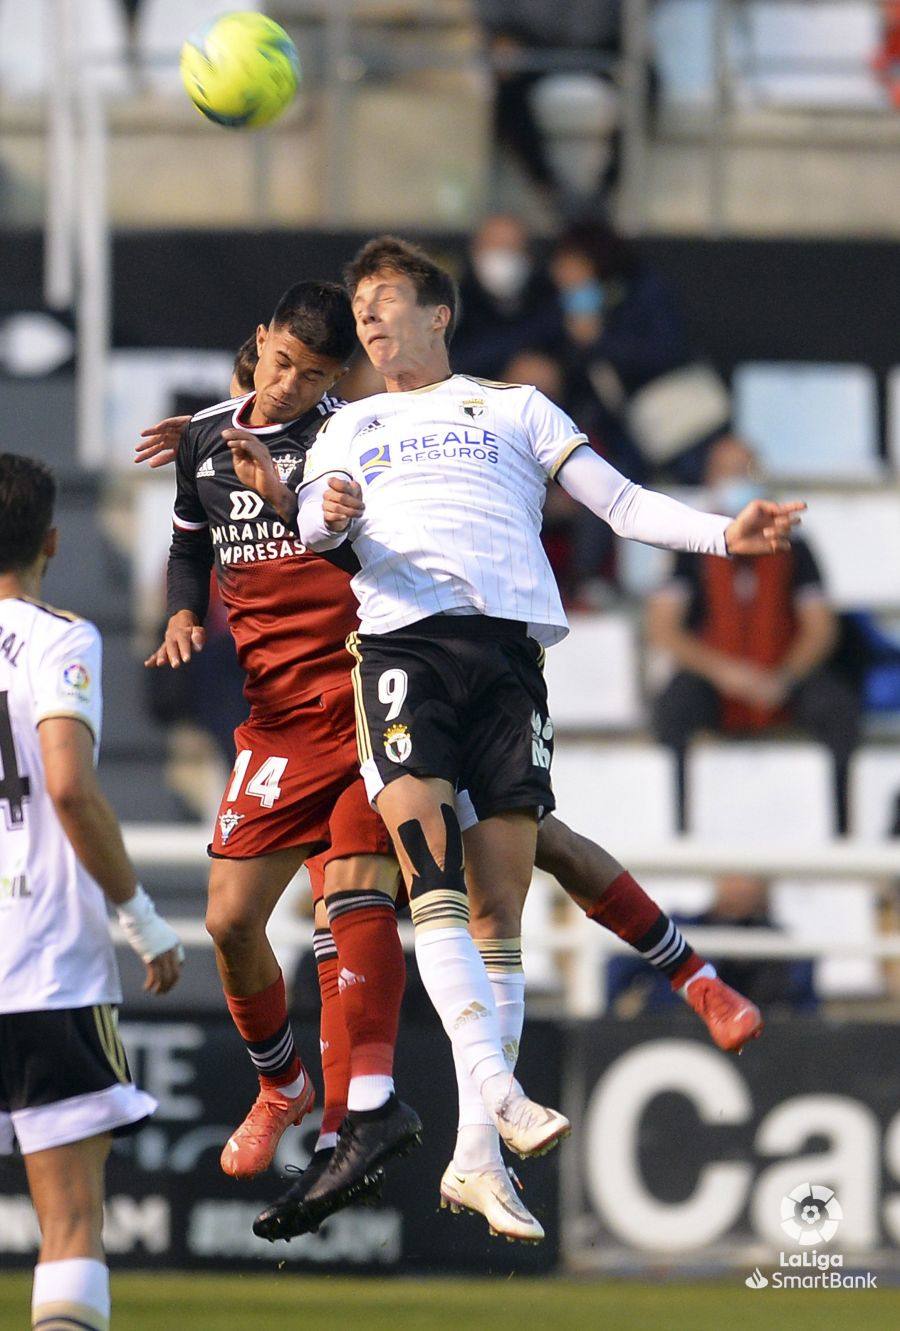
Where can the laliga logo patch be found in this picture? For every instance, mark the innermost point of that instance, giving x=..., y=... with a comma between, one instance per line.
x=811, y=1214
x=228, y=821
x=76, y=678
x=285, y=467
x=374, y=461
x=397, y=743
x=474, y=407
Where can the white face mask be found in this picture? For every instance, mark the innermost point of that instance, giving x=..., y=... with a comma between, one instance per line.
x=729, y=497
x=502, y=272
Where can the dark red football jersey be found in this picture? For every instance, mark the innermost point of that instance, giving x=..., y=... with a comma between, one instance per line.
x=289, y=610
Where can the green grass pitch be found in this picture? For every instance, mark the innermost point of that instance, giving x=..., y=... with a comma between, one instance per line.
x=175, y=1302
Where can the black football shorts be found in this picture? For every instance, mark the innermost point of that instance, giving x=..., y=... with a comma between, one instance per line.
x=64, y=1077
x=457, y=697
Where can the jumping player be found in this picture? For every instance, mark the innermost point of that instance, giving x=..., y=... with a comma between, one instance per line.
x=65, y=1087
x=456, y=600
x=295, y=786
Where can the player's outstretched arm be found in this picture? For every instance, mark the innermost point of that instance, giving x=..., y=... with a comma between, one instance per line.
x=643, y=515
x=67, y=749
x=160, y=444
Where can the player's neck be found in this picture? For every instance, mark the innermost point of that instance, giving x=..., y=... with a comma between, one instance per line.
x=22, y=582
x=433, y=370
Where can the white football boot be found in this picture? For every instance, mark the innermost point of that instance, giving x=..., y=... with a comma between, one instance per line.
x=528, y=1128
x=489, y=1192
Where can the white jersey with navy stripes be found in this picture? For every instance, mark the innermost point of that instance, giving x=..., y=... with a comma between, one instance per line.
x=55, y=947
x=453, y=477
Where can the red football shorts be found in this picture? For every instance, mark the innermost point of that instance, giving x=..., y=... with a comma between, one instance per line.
x=296, y=782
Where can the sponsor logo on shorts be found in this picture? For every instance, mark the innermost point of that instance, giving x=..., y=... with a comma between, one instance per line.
x=228, y=821
x=397, y=743
x=541, y=735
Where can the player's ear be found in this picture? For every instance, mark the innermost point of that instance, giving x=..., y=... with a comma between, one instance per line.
x=51, y=543
x=442, y=316
x=262, y=333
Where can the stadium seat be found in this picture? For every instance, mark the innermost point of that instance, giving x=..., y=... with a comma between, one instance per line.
x=26, y=48
x=144, y=385
x=592, y=675
x=777, y=793
x=874, y=793
x=616, y=793
x=816, y=911
x=163, y=25
x=893, y=417
x=816, y=422
x=831, y=54
x=856, y=540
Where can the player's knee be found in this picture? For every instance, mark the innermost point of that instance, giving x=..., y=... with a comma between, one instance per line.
x=234, y=932
x=557, y=848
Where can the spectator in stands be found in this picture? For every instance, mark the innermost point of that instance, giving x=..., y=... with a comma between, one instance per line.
x=527, y=39
x=739, y=901
x=623, y=330
x=751, y=639
x=509, y=303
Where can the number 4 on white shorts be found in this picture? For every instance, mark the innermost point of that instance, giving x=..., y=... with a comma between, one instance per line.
x=263, y=785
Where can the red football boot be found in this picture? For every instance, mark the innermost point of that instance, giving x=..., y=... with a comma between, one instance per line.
x=251, y=1147
x=730, y=1018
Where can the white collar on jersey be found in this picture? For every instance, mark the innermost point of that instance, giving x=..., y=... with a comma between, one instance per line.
x=259, y=429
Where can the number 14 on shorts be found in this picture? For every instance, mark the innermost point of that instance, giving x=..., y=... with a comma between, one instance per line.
x=263, y=784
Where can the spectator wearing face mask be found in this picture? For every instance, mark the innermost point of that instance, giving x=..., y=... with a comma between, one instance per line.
x=751, y=639
x=509, y=303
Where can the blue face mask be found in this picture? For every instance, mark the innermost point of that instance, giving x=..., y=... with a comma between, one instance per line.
x=729, y=497
x=584, y=299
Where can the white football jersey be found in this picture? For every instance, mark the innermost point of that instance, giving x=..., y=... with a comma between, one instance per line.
x=453, y=477
x=55, y=946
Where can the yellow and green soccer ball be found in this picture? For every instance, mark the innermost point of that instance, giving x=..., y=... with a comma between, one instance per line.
x=240, y=70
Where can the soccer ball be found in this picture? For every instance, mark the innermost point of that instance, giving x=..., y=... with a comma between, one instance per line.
x=240, y=70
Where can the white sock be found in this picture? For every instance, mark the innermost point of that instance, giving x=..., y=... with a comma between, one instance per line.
x=369, y=1092
x=293, y=1088
x=456, y=981
x=76, y=1289
x=477, y=1140
x=706, y=972
x=326, y=1141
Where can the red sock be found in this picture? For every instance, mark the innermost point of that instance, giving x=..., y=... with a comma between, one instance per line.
x=262, y=1020
x=371, y=978
x=333, y=1038
x=625, y=909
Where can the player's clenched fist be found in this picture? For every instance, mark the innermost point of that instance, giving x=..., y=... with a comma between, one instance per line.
x=341, y=503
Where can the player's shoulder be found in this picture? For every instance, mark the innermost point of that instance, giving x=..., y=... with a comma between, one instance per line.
x=494, y=385
x=330, y=405
x=226, y=408
x=41, y=611
x=49, y=628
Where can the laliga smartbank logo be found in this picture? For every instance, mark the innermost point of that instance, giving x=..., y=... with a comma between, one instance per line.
x=810, y=1216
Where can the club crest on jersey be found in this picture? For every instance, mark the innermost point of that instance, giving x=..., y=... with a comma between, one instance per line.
x=397, y=742
x=375, y=461
x=228, y=821
x=206, y=470
x=474, y=407
x=285, y=466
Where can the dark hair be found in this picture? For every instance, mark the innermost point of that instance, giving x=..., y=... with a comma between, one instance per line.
x=318, y=314
x=27, y=496
x=610, y=254
x=433, y=284
x=245, y=363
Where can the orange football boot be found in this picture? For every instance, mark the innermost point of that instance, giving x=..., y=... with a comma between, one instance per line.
x=730, y=1018
x=251, y=1148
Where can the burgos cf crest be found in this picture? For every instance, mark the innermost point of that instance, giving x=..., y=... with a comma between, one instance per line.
x=474, y=407
x=397, y=743
x=375, y=461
